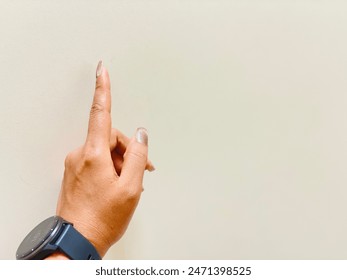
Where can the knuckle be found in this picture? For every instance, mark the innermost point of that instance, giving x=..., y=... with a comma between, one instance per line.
x=68, y=160
x=138, y=155
x=131, y=194
x=72, y=158
x=90, y=156
x=96, y=108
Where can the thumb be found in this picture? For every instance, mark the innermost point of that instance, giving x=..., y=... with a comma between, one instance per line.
x=135, y=160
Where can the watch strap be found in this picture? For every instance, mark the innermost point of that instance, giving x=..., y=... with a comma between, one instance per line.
x=75, y=245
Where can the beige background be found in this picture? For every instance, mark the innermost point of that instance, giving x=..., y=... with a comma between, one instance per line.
x=245, y=103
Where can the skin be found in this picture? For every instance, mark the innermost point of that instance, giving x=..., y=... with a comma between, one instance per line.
x=103, y=178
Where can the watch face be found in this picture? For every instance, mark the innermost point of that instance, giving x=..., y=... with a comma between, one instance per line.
x=38, y=237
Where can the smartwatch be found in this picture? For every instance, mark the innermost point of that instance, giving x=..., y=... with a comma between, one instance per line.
x=56, y=235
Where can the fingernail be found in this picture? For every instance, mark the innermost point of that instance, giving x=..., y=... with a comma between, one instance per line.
x=142, y=136
x=151, y=169
x=150, y=166
x=99, y=69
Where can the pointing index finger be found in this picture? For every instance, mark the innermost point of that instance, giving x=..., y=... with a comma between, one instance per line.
x=99, y=128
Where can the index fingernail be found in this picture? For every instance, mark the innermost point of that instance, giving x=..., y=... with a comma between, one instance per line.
x=99, y=69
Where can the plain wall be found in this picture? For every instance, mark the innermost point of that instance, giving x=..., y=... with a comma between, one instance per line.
x=245, y=104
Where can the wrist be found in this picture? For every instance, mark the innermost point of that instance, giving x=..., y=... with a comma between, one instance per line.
x=94, y=236
x=57, y=256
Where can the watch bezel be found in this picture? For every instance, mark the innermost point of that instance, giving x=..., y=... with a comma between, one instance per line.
x=43, y=249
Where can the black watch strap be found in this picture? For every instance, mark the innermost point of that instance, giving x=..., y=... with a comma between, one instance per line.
x=75, y=245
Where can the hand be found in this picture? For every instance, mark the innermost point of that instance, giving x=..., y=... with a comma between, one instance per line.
x=102, y=181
